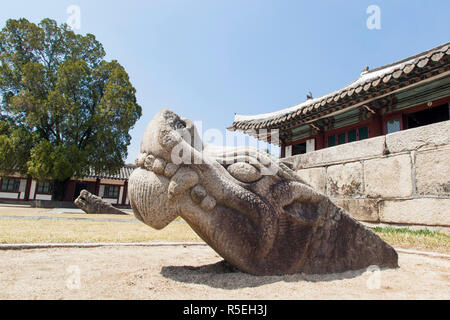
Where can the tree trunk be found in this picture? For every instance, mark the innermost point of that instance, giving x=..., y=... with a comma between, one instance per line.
x=59, y=189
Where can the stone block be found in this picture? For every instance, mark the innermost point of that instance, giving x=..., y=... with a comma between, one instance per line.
x=316, y=177
x=345, y=180
x=425, y=211
x=425, y=137
x=343, y=153
x=388, y=177
x=307, y=160
x=360, y=209
x=433, y=172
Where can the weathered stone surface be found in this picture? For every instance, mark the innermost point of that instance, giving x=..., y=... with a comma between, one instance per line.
x=357, y=150
x=426, y=211
x=388, y=177
x=170, y=170
x=244, y=172
x=275, y=225
x=198, y=193
x=148, y=161
x=430, y=136
x=345, y=180
x=315, y=177
x=360, y=209
x=433, y=172
x=91, y=203
x=159, y=165
x=208, y=203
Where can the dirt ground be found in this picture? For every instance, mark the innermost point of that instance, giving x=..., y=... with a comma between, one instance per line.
x=196, y=272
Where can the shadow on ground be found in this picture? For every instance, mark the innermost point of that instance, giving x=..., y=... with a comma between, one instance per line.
x=223, y=275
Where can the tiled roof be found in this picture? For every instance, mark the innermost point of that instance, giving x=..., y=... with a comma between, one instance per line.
x=371, y=84
x=123, y=174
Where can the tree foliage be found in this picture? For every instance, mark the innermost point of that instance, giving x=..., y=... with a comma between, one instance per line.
x=64, y=109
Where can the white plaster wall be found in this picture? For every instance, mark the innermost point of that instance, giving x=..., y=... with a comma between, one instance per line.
x=288, y=151
x=46, y=197
x=112, y=201
x=101, y=190
x=9, y=195
x=120, y=194
x=310, y=145
x=32, y=189
x=22, y=188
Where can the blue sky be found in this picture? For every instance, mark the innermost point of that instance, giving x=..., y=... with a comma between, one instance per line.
x=207, y=60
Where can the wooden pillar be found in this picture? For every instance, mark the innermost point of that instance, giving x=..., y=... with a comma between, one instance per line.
x=125, y=191
x=97, y=186
x=376, y=126
x=27, y=189
x=320, y=143
x=70, y=190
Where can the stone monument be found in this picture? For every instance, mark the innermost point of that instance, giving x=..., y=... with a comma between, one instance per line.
x=250, y=207
x=91, y=203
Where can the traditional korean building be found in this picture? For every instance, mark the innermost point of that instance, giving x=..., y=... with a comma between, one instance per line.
x=406, y=94
x=113, y=188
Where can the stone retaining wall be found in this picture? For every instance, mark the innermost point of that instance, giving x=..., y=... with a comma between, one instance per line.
x=400, y=178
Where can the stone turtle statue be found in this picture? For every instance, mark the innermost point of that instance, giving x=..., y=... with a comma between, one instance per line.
x=250, y=207
x=91, y=203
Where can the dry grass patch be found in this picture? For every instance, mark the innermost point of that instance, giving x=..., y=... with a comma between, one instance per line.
x=67, y=231
x=35, y=212
x=57, y=231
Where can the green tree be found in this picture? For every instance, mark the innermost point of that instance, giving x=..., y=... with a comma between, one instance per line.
x=64, y=109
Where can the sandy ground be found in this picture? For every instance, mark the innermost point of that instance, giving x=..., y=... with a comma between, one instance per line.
x=196, y=272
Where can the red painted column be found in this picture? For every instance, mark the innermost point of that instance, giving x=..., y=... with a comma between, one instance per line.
x=27, y=189
x=97, y=186
x=320, y=141
x=376, y=127
x=283, y=146
x=125, y=191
